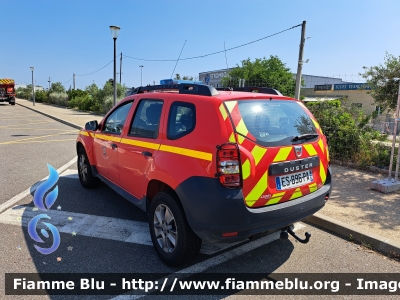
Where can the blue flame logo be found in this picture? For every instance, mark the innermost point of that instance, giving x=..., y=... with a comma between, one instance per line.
x=44, y=202
x=45, y=187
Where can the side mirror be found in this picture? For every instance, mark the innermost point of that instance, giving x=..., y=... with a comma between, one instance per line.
x=92, y=125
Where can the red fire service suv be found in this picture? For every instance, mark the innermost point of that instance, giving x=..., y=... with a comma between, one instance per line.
x=218, y=166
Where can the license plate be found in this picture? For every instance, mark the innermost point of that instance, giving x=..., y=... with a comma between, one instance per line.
x=293, y=180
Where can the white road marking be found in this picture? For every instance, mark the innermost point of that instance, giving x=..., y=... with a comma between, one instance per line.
x=121, y=230
x=108, y=228
x=33, y=188
x=212, y=262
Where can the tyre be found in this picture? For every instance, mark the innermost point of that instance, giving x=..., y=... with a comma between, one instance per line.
x=85, y=172
x=174, y=240
x=12, y=103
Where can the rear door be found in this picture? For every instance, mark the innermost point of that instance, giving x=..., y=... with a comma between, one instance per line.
x=276, y=166
x=140, y=145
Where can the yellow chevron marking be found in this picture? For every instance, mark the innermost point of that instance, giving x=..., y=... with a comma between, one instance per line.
x=258, y=153
x=6, y=81
x=230, y=105
x=282, y=154
x=223, y=111
x=275, y=198
x=240, y=139
x=187, y=152
x=232, y=138
x=316, y=123
x=313, y=187
x=241, y=128
x=297, y=193
x=327, y=154
x=84, y=133
x=310, y=149
x=321, y=145
x=258, y=189
x=246, y=169
x=322, y=173
x=107, y=137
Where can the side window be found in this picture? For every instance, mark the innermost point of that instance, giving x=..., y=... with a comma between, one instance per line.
x=147, y=119
x=115, y=121
x=181, y=120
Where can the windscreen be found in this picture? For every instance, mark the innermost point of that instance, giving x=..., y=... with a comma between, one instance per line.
x=275, y=122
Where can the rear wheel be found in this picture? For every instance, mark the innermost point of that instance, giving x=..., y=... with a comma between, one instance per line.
x=174, y=240
x=84, y=170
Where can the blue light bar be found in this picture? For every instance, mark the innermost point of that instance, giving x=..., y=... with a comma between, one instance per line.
x=175, y=81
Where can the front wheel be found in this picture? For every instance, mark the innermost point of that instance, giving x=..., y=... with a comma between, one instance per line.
x=84, y=170
x=174, y=240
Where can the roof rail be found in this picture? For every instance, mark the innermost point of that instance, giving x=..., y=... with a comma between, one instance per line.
x=183, y=88
x=252, y=89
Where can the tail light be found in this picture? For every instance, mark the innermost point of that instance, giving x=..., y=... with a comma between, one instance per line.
x=228, y=165
x=10, y=90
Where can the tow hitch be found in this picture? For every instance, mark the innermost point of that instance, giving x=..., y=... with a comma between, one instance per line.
x=285, y=236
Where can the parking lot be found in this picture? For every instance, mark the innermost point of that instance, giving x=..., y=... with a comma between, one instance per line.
x=103, y=233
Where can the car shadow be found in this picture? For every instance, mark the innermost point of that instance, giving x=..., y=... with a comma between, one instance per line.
x=87, y=253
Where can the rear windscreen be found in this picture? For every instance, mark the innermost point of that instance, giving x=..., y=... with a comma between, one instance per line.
x=274, y=122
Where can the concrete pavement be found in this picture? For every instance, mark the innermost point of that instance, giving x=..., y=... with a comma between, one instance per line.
x=354, y=211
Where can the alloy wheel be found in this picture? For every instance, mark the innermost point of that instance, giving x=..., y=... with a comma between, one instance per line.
x=165, y=228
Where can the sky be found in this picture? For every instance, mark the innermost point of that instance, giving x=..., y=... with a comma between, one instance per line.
x=60, y=38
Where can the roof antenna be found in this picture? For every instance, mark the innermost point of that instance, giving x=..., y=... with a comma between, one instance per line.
x=178, y=59
x=227, y=68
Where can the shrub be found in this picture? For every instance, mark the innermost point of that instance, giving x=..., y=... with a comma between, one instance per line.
x=41, y=96
x=84, y=102
x=58, y=98
x=349, y=137
x=76, y=93
x=107, y=104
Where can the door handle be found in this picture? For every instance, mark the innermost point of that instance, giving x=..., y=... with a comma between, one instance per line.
x=113, y=146
x=146, y=153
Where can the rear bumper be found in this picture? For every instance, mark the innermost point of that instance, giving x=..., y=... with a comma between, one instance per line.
x=212, y=210
x=7, y=99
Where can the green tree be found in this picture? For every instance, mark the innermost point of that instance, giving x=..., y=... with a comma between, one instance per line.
x=271, y=72
x=76, y=93
x=24, y=93
x=384, y=81
x=57, y=87
x=41, y=96
x=92, y=89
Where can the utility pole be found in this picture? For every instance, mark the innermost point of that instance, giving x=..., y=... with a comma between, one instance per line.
x=120, y=69
x=141, y=77
x=73, y=76
x=49, y=83
x=300, y=63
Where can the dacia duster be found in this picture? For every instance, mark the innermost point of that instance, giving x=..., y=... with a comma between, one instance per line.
x=208, y=165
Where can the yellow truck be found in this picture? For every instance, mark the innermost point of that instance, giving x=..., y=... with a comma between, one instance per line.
x=7, y=90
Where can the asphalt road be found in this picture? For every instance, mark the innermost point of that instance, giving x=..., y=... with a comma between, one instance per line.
x=28, y=142
x=101, y=232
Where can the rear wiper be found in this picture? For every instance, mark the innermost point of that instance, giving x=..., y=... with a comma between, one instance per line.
x=304, y=136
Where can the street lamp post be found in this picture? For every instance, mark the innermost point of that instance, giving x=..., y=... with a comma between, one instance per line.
x=114, y=34
x=141, y=69
x=33, y=87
